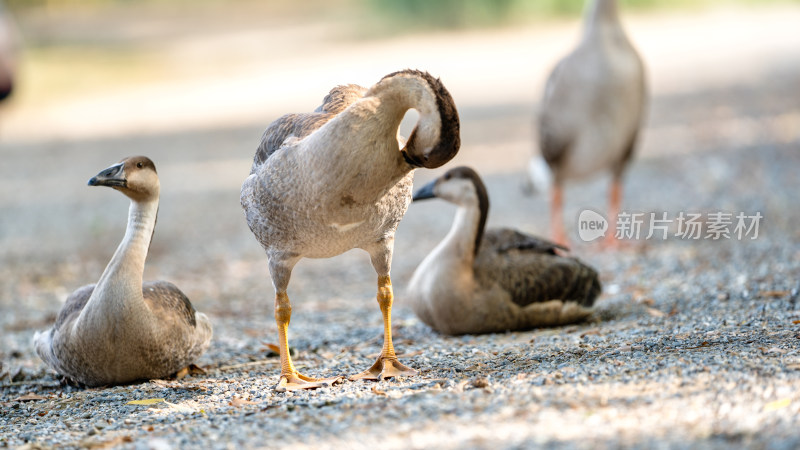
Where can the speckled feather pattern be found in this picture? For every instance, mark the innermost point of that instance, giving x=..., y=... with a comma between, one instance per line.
x=168, y=343
x=531, y=271
x=301, y=125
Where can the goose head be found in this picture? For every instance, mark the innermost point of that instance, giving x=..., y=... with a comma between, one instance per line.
x=463, y=187
x=134, y=176
x=436, y=139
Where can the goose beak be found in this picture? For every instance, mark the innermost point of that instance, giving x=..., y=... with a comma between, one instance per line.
x=425, y=192
x=113, y=176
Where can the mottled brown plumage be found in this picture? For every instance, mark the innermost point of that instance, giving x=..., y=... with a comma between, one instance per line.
x=121, y=329
x=531, y=270
x=513, y=281
x=298, y=126
x=325, y=182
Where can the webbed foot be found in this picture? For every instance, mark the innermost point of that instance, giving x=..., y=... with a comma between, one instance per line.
x=295, y=381
x=385, y=367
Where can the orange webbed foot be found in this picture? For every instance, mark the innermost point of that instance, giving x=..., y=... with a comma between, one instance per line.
x=296, y=381
x=385, y=367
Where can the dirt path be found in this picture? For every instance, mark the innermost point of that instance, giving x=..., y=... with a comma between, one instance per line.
x=698, y=342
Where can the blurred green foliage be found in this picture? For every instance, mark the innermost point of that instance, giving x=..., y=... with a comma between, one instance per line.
x=397, y=15
x=471, y=13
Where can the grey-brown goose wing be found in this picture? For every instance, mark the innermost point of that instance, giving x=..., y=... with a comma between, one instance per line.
x=560, y=114
x=73, y=305
x=302, y=124
x=160, y=296
x=529, y=269
x=165, y=299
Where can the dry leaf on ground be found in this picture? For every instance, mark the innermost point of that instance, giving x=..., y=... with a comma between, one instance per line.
x=239, y=402
x=29, y=397
x=146, y=401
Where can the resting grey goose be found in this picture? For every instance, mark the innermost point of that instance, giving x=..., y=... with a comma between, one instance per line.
x=122, y=330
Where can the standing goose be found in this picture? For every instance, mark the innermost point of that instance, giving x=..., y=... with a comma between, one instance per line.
x=325, y=182
x=591, y=111
x=497, y=280
x=122, y=330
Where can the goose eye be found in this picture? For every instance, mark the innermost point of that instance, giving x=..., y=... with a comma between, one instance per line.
x=139, y=165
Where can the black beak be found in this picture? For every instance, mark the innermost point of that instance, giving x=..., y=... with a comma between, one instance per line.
x=425, y=192
x=112, y=177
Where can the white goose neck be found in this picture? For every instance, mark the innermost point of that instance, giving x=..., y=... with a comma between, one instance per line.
x=126, y=267
x=602, y=19
x=460, y=240
x=400, y=93
x=404, y=92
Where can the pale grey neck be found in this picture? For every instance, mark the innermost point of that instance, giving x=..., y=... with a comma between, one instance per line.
x=405, y=92
x=126, y=268
x=602, y=17
x=119, y=290
x=376, y=118
x=401, y=93
x=460, y=240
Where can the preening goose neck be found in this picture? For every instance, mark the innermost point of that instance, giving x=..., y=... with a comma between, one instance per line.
x=436, y=138
x=433, y=141
x=121, y=329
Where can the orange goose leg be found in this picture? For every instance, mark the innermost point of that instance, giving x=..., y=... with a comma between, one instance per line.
x=291, y=379
x=557, y=216
x=615, y=198
x=387, y=365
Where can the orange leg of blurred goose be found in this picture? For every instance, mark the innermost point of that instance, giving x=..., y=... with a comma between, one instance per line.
x=291, y=379
x=387, y=365
x=557, y=216
x=611, y=242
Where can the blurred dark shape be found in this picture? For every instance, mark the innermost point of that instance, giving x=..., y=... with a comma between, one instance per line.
x=8, y=56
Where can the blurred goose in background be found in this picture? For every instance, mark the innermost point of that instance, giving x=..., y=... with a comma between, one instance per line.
x=591, y=112
x=122, y=330
x=497, y=280
x=326, y=182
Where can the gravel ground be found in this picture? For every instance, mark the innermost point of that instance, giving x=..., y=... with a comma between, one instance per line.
x=695, y=342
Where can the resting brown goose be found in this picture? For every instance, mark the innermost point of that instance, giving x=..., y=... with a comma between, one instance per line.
x=478, y=281
x=325, y=182
x=592, y=109
x=121, y=330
